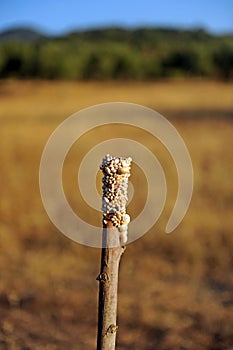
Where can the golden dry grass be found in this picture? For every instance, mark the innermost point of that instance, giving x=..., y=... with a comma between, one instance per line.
x=176, y=291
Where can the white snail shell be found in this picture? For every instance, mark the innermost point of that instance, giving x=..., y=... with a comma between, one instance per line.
x=123, y=237
x=115, y=184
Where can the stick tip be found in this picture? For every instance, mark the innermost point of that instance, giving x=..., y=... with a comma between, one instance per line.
x=116, y=171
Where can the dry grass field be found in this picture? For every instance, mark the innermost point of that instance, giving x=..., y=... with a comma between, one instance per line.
x=176, y=291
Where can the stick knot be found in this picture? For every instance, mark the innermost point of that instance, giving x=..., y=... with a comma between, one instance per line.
x=112, y=329
x=103, y=278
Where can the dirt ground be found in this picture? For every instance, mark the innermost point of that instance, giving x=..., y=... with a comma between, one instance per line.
x=175, y=291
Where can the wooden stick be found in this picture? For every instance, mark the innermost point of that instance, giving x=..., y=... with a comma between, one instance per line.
x=108, y=278
x=115, y=220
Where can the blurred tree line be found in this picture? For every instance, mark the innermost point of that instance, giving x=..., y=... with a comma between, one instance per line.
x=111, y=54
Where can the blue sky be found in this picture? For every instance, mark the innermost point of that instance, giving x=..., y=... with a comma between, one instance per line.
x=54, y=16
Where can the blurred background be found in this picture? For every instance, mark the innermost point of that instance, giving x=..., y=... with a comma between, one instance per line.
x=175, y=291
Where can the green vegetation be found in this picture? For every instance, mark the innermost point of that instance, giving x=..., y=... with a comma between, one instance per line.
x=116, y=54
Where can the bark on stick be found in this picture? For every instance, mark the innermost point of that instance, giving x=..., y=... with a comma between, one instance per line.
x=116, y=172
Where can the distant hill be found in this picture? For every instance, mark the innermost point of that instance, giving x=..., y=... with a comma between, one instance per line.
x=115, y=34
x=21, y=34
x=108, y=34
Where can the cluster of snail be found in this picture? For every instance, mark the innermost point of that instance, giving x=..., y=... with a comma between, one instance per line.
x=116, y=172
